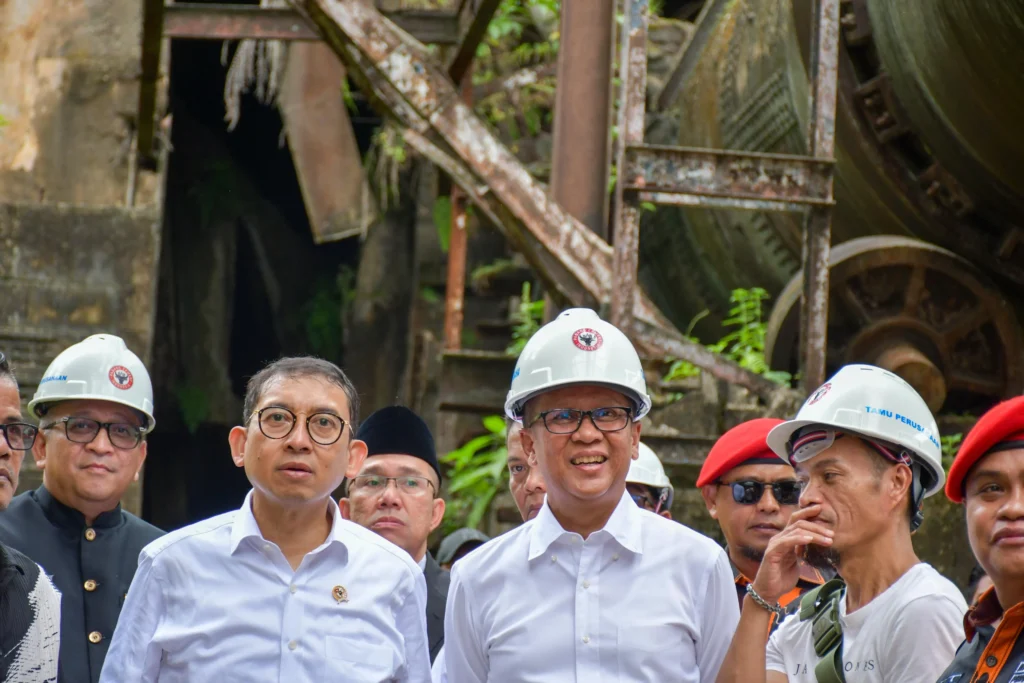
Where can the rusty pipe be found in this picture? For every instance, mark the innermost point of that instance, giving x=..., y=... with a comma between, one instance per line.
x=583, y=112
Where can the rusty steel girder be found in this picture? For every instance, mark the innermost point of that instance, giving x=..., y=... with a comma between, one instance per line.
x=575, y=263
x=726, y=179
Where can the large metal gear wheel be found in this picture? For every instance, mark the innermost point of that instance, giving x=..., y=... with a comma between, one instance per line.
x=918, y=310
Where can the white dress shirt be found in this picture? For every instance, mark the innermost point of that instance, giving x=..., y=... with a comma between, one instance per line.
x=643, y=599
x=438, y=670
x=216, y=602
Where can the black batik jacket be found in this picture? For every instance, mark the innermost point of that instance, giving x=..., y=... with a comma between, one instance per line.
x=29, y=621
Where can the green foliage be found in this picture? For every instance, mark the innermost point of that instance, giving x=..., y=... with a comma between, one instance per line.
x=744, y=341
x=322, y=315
x=950, y=444
x=430, y=295
x=481, y=276
x=194, y=405
x=347, y=98
x=443, y=221
x=523, y=34
x=477, y=472
x=527, y=321
x=386, y=159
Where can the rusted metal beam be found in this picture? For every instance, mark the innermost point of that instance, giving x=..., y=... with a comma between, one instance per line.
x=632, y=96
x=817, y=234
x=472, y=32
x=152, y=39
x=324, y=149
x=583, y=112
x=455, y=288
x=728, y=179
x=237, y=22
x=234, y=22
x=403, y=80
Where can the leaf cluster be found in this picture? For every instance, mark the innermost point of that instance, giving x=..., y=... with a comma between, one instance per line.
x=477, y=472
x=527, y=320
x=744, y=341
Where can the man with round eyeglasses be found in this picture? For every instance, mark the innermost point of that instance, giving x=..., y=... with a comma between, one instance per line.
x=573, y=587
x=283, y=588
x=396, y=495
x=751, y=493
x=94, y=404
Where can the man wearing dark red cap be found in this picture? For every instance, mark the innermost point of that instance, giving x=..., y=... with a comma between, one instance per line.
x=987, y=476
x=752, y=493
x=397, y=495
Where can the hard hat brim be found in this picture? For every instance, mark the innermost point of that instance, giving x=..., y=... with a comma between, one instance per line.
x=35, y=407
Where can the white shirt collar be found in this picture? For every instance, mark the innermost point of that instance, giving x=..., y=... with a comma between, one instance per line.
x=245, y=526
x=623, y=526
x=423, y=562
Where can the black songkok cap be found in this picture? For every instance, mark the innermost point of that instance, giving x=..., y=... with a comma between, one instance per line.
x=398, y=430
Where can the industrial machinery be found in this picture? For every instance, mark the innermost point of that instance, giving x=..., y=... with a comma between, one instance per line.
x=928, y=228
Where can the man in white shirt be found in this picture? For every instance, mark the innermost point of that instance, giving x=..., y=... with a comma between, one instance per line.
x=866, y=450
x=593, y=588
x=283, y=589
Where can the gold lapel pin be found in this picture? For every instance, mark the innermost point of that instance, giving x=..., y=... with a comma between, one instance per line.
x=340, y=594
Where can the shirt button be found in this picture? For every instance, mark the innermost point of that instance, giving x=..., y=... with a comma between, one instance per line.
x=89, y=585
x=266, y=547
x=586, y=584
x=292, y=588
x=586, y=639
x=554, y=558
x=292, y=645
x=95, y=637
x=90, y=535
x=615, y=557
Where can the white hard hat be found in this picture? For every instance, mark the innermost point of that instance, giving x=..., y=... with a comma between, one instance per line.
x=577, y=347
x=98, y=368
x=874, y=403
x=648, y=470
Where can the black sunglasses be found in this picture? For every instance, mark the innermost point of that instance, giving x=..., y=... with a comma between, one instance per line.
x=749, y=492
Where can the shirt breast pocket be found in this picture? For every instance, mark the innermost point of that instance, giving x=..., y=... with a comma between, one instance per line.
x=654, y=652
x=348, y=659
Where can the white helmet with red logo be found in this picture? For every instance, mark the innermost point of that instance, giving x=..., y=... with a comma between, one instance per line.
x=99, y=368
x=578, y=347
x=874, y=404
x=648, y=470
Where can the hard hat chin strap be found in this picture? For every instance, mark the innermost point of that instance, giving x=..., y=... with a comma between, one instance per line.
x=917, y=492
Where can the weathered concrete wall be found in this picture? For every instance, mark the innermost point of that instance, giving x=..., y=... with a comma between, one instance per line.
x=67, y=272
x=69, y=74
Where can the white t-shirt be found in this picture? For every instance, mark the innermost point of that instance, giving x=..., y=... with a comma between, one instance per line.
x=909, y=634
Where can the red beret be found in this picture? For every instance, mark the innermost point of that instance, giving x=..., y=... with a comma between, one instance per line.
x=999, y=424
x=747, y=441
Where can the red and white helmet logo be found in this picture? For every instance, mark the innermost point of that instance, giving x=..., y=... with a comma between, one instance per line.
x=587, y=339
x=820, y=393
x=121, y=377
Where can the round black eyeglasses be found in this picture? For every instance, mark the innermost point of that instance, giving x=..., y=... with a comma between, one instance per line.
x=277, y=423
